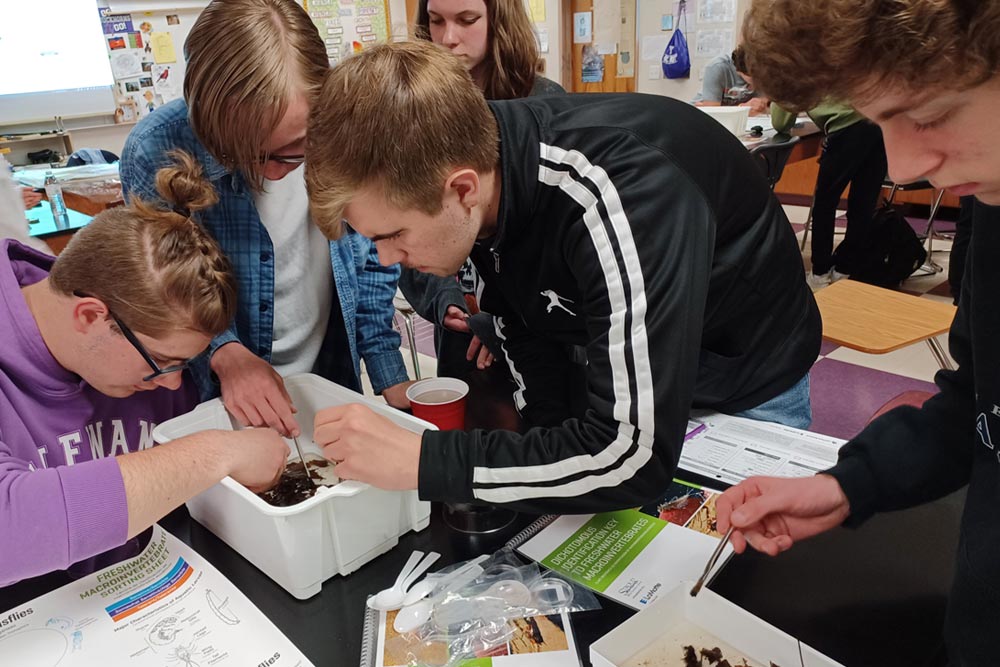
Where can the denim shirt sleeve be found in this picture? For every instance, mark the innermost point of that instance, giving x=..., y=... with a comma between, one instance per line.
x=378, y=342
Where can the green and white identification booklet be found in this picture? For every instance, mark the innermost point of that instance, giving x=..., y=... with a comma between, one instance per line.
x=632, y=556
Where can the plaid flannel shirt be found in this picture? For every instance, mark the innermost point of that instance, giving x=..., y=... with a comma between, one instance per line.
x=364, y=288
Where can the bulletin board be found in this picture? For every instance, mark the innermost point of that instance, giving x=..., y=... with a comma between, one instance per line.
x=349, y=26
x=146, y=54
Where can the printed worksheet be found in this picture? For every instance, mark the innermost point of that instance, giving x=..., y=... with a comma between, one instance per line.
x=167, y=607
x=730, y=449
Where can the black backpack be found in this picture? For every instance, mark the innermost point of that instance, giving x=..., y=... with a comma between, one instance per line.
x=893, y=251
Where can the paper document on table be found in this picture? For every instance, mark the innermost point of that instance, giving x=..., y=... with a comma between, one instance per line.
x=730, y=449
x=166, y=606
x=633, y=556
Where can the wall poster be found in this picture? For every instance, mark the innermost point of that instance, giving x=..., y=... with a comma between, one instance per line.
x=348, y=26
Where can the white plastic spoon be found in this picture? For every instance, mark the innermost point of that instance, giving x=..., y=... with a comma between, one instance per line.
x=389, y=595
x=392, y=599
x=413, y=616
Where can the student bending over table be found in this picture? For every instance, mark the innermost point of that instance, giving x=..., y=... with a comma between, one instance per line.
x=95, y=343
x=653, y=249
x=939, y=119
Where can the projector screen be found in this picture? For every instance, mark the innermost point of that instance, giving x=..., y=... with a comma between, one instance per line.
x=55, y=61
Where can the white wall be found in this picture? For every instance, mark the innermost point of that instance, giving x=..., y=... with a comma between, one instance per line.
x=110, y=138
x=554, y=56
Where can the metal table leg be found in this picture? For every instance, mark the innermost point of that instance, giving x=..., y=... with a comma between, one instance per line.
x=939, y=354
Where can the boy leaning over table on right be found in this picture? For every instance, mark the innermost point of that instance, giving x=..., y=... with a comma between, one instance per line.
x=95, y=344
x=937, y=108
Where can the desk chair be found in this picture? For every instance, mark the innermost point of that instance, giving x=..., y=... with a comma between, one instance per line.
x=407, y=312
x=930, y=267
x=772, y=156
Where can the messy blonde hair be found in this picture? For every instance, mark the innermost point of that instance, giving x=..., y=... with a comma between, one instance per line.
x=511, y=50
x=246, y=59
x=399, y=117
x=157, y=270
x=801, y=52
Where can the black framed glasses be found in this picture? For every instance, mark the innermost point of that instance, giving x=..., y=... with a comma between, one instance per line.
x=283, y=159
x=131, y=338
x=157, y=371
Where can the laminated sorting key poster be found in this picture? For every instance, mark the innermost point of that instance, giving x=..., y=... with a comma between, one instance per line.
x=167, y=606
x=634, y=556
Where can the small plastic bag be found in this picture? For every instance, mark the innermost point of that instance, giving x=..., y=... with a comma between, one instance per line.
x=473, y=609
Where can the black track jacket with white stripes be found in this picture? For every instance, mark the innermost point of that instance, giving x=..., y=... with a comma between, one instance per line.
x=638, y=228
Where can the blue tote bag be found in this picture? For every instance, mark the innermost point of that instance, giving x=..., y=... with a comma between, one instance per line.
x=676, y=58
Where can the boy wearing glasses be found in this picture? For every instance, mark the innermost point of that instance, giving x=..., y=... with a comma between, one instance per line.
x=305, y=304
x=94, y=345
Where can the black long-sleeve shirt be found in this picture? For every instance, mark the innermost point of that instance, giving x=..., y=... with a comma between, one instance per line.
x=637, y=228
x=911, y=456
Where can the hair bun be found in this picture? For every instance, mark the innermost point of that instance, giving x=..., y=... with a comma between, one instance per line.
x=183, y=184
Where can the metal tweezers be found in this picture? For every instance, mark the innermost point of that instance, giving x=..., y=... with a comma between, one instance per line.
x=711, y=562
x=305, y=465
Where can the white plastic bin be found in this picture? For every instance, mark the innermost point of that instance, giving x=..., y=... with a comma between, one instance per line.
x=733, y=119
x=335, y=532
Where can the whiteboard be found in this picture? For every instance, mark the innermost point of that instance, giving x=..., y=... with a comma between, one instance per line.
x=55, y=62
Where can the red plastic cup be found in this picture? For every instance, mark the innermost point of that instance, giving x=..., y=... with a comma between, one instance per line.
x=441, y=401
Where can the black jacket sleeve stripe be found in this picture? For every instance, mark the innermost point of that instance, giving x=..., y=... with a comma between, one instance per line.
x=628, y=347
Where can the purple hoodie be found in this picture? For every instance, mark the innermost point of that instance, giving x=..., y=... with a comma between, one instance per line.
x=62, y=499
